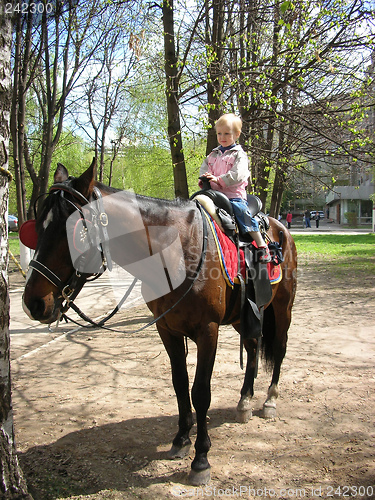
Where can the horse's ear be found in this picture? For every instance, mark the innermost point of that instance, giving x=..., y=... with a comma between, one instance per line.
x=61, y=174
x=85, y=183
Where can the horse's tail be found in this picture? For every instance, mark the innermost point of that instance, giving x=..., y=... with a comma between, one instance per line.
x=269, y=332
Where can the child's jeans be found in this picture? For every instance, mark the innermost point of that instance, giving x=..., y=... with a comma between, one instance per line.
x=246, y=222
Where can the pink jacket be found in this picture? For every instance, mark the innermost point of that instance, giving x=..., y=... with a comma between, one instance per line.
x=232, y=167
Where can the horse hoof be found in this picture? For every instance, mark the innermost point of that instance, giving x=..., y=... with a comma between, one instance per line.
x=269, y=410
x=199, y=478
x=177, y=452
x=243, y=416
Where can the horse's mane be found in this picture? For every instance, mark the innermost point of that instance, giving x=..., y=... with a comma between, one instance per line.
x=176, y=202
x=62, y=208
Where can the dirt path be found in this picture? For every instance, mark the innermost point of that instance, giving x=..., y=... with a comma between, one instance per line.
x=95, y=412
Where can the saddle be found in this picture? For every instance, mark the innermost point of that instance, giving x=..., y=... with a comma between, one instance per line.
x=255, y=286
x=219, y=207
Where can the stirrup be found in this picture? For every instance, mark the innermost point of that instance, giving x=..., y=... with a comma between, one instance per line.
x=263, y=255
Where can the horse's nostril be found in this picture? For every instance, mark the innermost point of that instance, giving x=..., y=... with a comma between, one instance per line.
x=37, y=308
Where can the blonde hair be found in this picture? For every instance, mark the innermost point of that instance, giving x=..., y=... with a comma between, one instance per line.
x=230, y=120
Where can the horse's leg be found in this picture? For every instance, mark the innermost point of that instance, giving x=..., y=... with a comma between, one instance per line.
x=274, y=340
x=201, y=396
x=244, y=407
x=275, y=330
x=176, y=351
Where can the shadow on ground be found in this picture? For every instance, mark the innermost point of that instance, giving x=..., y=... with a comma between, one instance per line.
x=115, y=456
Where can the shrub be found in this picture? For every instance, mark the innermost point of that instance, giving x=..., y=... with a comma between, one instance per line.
x=352, y=219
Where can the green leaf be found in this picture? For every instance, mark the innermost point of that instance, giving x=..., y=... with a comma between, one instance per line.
x=286, y=6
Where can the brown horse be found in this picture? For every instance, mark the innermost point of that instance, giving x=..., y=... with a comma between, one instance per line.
x=194, y=305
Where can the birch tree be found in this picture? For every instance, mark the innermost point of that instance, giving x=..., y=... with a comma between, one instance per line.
x=12, y=483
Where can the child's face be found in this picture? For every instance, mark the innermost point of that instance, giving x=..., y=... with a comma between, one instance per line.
x=226, y=136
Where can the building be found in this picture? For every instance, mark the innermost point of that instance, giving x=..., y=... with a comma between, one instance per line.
x=353, y=199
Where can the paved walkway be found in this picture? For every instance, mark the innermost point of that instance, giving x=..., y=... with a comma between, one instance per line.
x=327, y=228
x=97, y=299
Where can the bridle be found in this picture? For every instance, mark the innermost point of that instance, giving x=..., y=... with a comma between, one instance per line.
x=98, y=238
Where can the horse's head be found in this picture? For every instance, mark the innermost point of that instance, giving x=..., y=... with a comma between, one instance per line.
x=51, y=273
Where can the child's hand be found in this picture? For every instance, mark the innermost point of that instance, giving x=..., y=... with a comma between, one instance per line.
x=210, y=177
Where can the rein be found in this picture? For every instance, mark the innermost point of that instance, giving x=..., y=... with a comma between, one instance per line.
x=70, y=289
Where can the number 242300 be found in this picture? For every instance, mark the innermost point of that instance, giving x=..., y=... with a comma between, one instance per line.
x=25, y=8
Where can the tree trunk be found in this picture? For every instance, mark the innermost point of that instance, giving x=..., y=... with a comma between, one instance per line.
x=285, y=138
x=172, y=83
x=12, y=483
x=214, y=71
x=277, y=192
x=18, y=110
x=265, y=164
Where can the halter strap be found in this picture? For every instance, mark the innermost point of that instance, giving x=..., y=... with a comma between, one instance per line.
x=71, y=288
x=65, y=186
x=47, y=273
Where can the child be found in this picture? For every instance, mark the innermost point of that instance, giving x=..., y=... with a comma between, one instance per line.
x=227, y=169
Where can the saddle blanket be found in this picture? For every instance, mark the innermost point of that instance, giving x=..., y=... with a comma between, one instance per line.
x=228, y=256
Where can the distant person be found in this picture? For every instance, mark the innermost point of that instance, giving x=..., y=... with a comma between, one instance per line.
x=317, y=219
x=307, y=218
x=289, y=218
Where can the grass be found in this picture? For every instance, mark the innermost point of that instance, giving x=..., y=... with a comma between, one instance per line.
x=14, y=245
x=340, y=254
